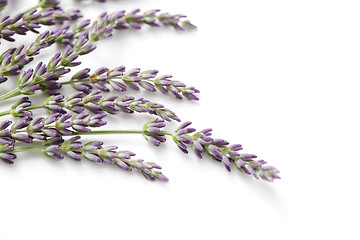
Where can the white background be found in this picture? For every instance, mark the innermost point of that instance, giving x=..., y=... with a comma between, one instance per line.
x=279, y=77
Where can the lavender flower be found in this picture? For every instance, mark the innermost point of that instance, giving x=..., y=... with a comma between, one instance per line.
x=221, y=151
x=105, y=24
x=19, y=108
x=33, y=19
x=150, y=170
x=14, y=59
x=134, y=78
x=94, y=103
x=152, y=132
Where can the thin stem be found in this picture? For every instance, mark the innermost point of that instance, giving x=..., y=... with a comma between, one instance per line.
x=99, y=132
x=4, y=113
x=115, y=132
x=13, y=93
x=75, y=81
x=23, y=149
x=39, y=147
x=34, y=107
x=108, y=132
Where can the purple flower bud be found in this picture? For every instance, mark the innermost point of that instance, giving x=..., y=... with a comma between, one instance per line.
x=236, y=147
x=82, y=74
x=92, y=157
x=31, y=89
x=220, y=142
x=5, y=124
x=7, y=157
x=246, y=156
x=21, y=137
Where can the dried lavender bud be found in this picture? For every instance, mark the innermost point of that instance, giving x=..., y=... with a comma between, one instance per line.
x=35, y=127
x=44, y=40
x=24, y=77
x=19, y=125
x=152, y=132
x=13, y=60
x=150, y=170
x=83, y=44
x=4, y=131
x=5, y=148
x=19, y=108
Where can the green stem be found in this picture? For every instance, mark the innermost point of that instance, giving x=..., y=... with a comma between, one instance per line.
x=23, y=149
x=13, y=93
x=115, y=132
x=4, y=113
x=34, y=107
x=99, y=132
x=39, y=147
x=27, y=108
x=75, y=81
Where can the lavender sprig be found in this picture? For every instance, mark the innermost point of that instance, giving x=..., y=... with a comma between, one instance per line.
x=103, y=78
x=33, y=19
x=14, y=59
x=94, y=151
x=45, y=78
x=94, y=103
x=105, y=24
x=221, y=151
x=57, y=126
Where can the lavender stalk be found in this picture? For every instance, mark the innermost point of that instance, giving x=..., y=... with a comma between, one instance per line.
x=45, y=77
x=14, y=59
x=105, y=24
x=57, y=148
x=94, y=103
x=59, y=126
x=134, y=79
x=33, y=19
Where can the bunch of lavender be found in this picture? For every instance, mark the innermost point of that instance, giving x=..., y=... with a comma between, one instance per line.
x=55, y=127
